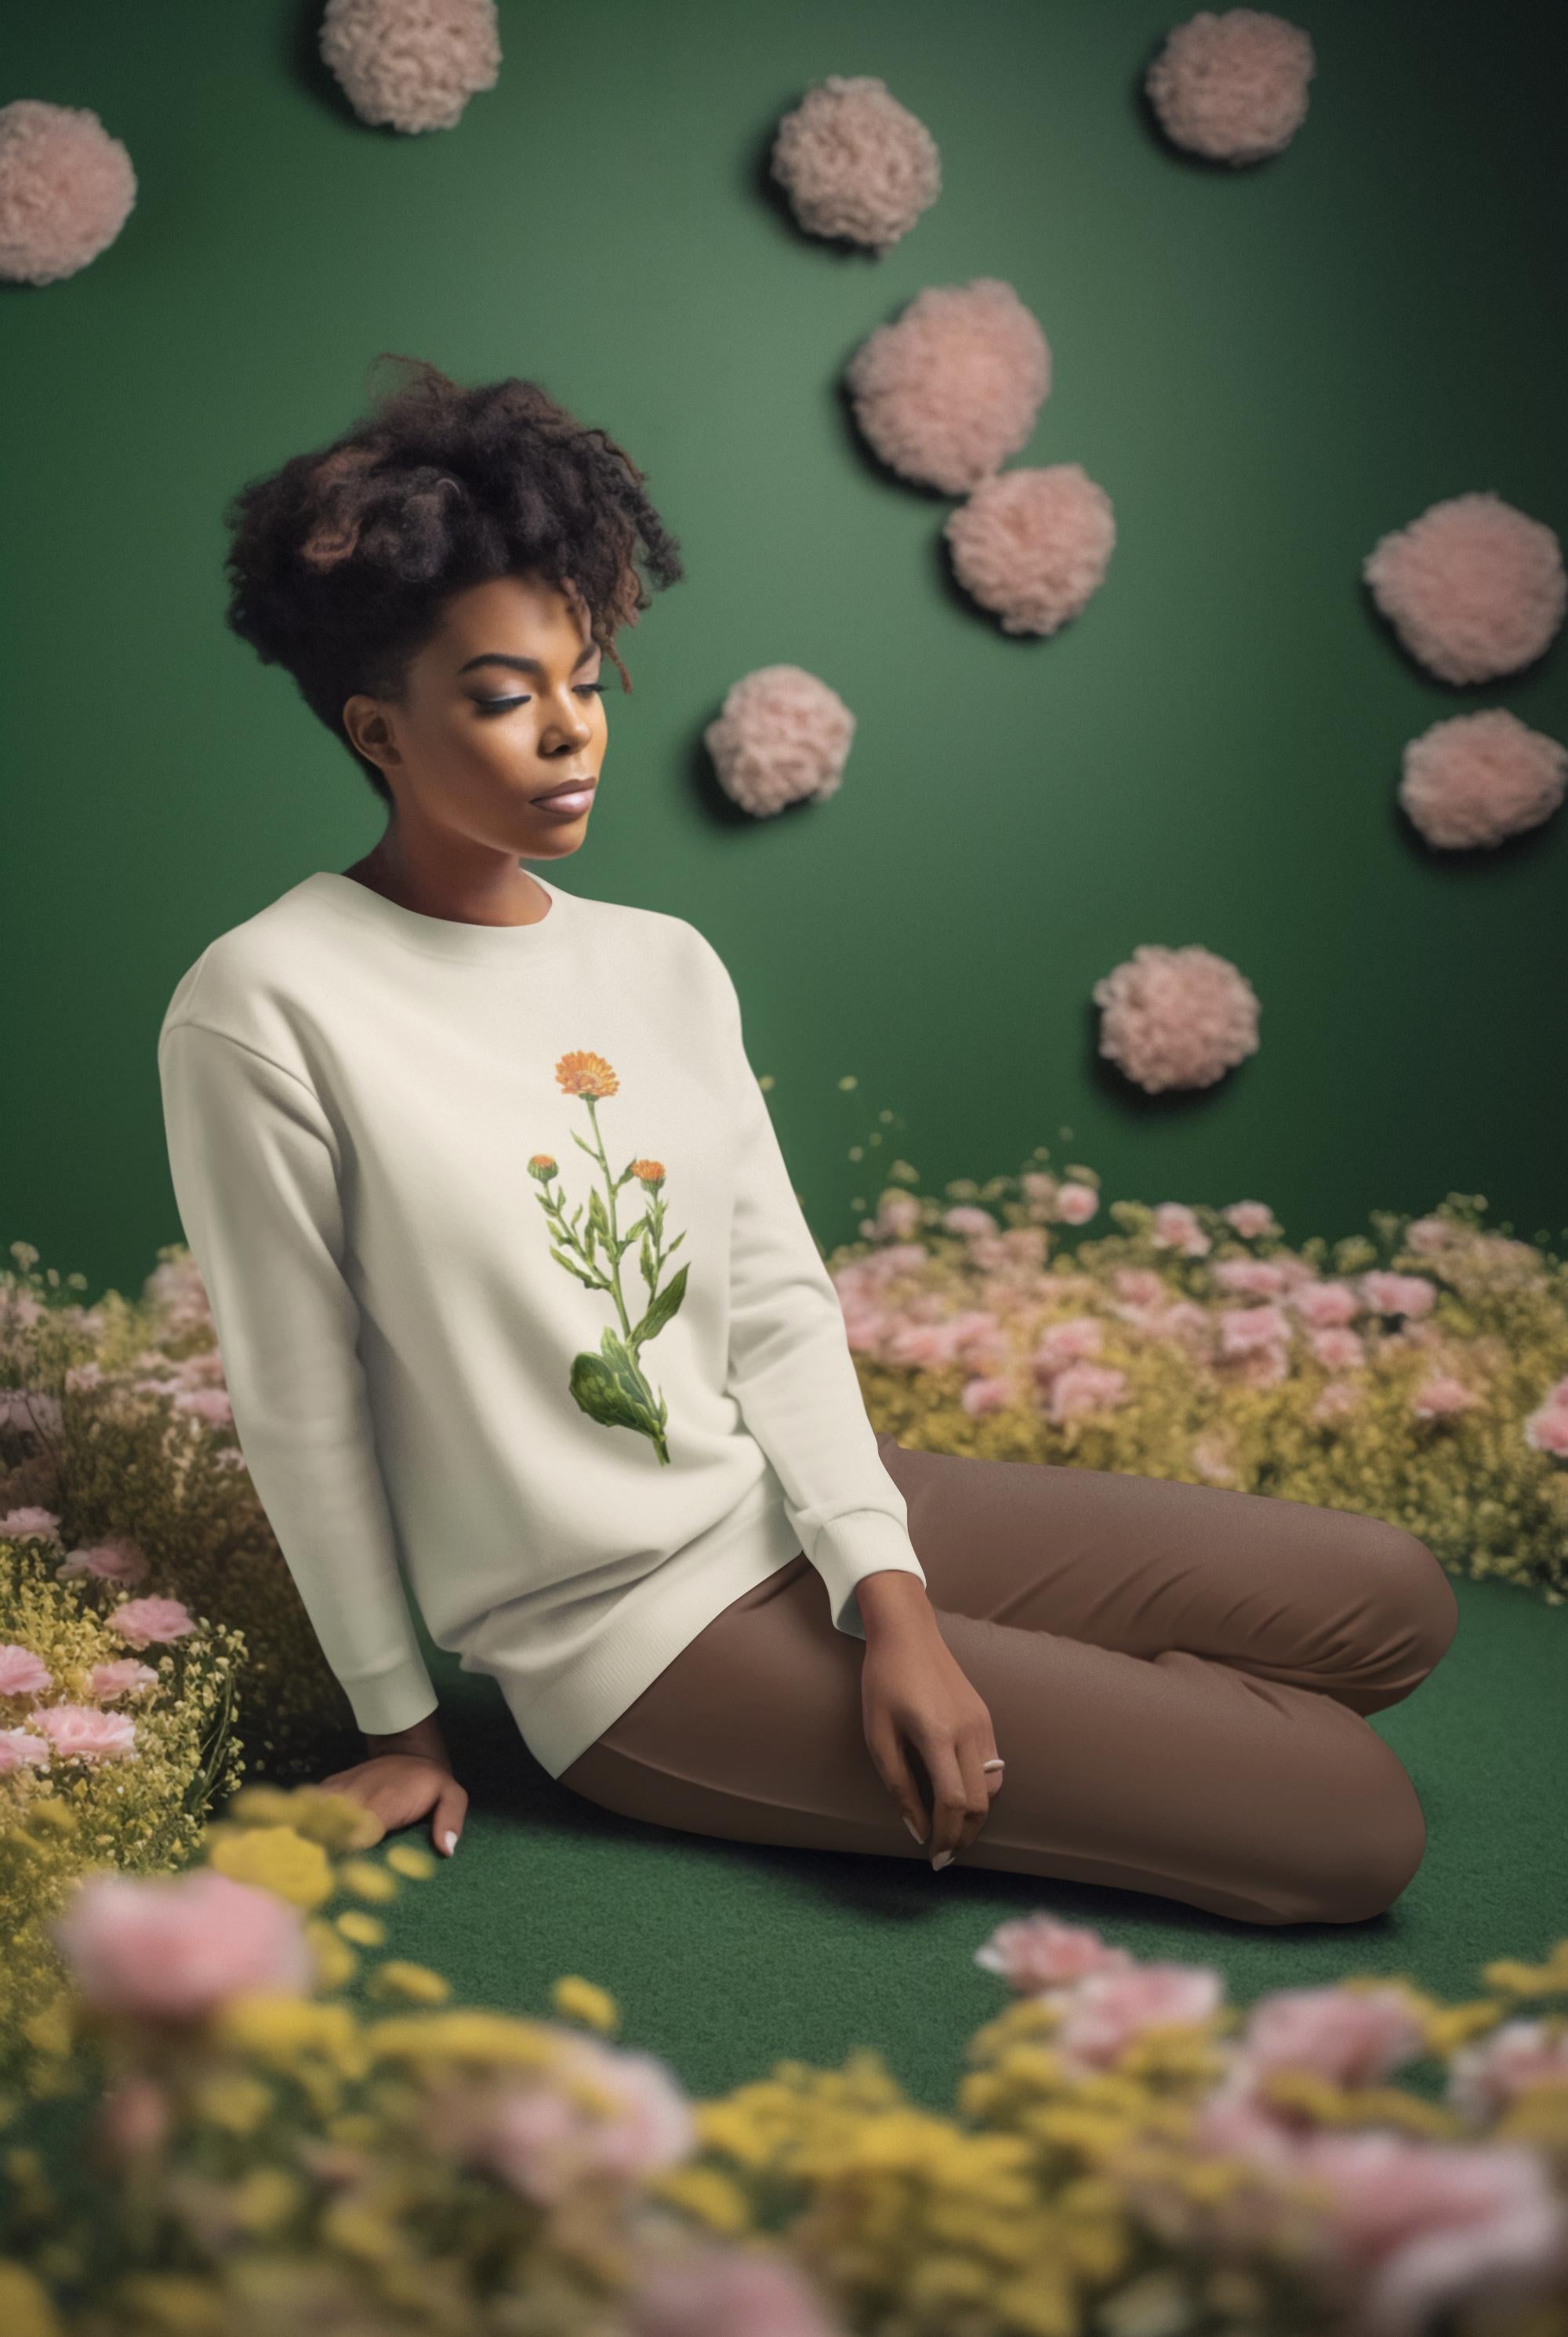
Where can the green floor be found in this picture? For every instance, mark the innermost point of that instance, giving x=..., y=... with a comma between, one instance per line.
x=725, y=1958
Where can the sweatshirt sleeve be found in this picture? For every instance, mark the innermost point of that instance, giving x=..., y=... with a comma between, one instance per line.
x=254, y=1164
x=792, y=1373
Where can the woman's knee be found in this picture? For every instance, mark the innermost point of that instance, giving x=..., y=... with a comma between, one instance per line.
x=1365, y=1850
x=1413, y=1597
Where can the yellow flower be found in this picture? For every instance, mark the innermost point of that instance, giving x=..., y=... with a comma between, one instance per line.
x=581, y=2000
x=359, y=2230
x=335, y=1961
x=415, y=1982
x=234, y=2101
x=266, y=2197
x=409, y=1859
x=462, y=2035
x=367, y=1881
x=278, y=2030
x=365, y=1930
x=704, y=2193
x=585, y=1074
x=335, y=1820
x=180, y=2303
x=648, y=1172
x=277, y=1859
x=27, y=2309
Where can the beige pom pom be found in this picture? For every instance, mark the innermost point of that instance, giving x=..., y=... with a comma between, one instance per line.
x=856, y=163
x=1033, y=545
x=411, y=65
x=781, y=737
x=67, y=189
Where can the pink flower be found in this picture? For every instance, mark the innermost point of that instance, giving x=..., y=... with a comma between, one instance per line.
x=1140, y=1283
x=1353, y=2037
x=80, y=1732
x=1068, y=1342
x=119, y=1560
x=139, y=1620
x=1252, y=1220
x=29, y=1519
x=963, y=1220
x=1244, y=1329
x=1325, y=1304
x=1265, y=1367
x=1547, y=1428
x=897, y=1215
x=20, y=1749
x=22, y=1673
x=174, y=1946
x=1398, y=1293
x=1427, y=1235
x=1212, y=1458
x=210, y=1405
x=1110, y=2008
x=1337, y=1398
x=1175, y=1227
x=1420, y=2225
x=1338, y=1349
x=1257, y=1276
x=1439, y=1397
x=1484, y=2076
x=716, y=2291
x=30, y=1409
x=1076, y=1204
x=982, y=1396
x=1086, y=1387
x=125, y=1677
x=1035, y=1952
x=541, y=2141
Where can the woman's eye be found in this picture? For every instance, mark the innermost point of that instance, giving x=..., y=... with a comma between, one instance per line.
x=501, y=705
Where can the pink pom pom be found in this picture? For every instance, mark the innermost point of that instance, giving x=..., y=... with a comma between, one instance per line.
x=949, y=389
x=1176, y=1017
x=1233, y=87
x=67, y=189
x=1033, y=545
x=1473, y=587
x=854, y=163
x=781, y=737
x=412, y=64
x=1479, y=778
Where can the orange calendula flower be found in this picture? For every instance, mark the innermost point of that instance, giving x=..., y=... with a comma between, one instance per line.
x=541, y=1165
x=648, y=1172
x=583, y=1074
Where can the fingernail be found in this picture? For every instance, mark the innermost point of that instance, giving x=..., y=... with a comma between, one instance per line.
x=913, y=1828
x=448, y=1843
x=941, y=1860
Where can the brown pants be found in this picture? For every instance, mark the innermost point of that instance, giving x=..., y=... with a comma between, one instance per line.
x=1177, y=1676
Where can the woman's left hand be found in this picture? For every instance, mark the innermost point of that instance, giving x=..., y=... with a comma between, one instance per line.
x=914, y=1693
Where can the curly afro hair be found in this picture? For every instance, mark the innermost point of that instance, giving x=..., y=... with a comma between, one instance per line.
x=340, y=561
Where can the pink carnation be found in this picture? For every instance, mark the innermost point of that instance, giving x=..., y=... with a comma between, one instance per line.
x=22, y=1673
x=988, y=1394
x=23, y=1748
x=1110, y=2008
x=80, y=1732
x=1473, y=588
x=1086, y=1387
x=1488, y=2074
x=1321, y=1303
x=1076, y=1204
x=855, y=163
x=119, y=1560
x=541, y=2141
x=1068, y=1342
x=1478, y=778
x=964, y=1219
x=125, y=1677
x=139, y=1620
x=1430, y=1233
x=1033, y=545
x=1251, y=1218
x=1176, y=1017
x=1141, y=1284
x=1440, y=1397
x=1175, y=1227
x=1257, y=1276
x=1244, y=1329
x=1353, y=2037
x=1547, y=1429
x=29, y=1519
x=174, y=1946
x=782, y=736
x=210, y=1405
x=948, y=390
x=1035, y=1952
x=1398, y=1293
x=1338, y=1349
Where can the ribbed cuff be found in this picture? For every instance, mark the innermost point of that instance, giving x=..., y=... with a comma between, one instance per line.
x=392, y=1700
x=866, y=1541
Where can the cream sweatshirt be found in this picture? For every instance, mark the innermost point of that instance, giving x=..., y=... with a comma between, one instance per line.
x=516, y=1308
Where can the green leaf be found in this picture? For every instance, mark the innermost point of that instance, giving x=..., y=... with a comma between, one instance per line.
x=611, y=1390
x=666, y=1304
x=589, y=1281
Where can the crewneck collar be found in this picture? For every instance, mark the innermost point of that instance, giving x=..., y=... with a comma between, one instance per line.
x=447, y=937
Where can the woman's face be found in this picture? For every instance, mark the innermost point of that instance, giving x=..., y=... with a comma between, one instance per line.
x=503, y=707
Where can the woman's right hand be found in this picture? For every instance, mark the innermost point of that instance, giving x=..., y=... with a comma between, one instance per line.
x=405, y=1778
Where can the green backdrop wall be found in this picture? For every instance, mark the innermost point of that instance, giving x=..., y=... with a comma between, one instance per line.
x=1265, y=368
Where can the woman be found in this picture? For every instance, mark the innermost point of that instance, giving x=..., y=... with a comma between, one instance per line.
x=438, y=1131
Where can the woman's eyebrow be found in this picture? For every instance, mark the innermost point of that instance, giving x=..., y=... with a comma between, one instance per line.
x=523, y=664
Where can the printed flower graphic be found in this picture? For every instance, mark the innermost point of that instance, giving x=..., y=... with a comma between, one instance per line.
x=610, y=1386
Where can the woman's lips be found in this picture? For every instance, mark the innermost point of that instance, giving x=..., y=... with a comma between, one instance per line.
x=567, y=802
